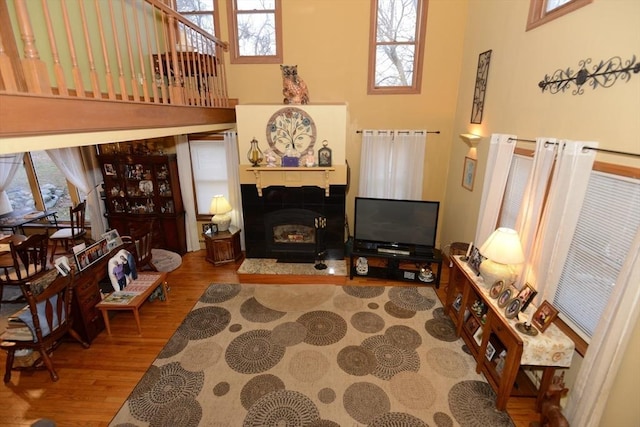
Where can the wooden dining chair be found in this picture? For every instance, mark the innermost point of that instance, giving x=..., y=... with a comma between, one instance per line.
x=69, y=236
x=28, y=259
x=49, y=318
x=141, y=239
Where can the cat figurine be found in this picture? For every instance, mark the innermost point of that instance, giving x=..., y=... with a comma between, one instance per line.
x=294, y=88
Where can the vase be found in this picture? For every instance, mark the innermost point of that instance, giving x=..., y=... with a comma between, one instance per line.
x=254, y=155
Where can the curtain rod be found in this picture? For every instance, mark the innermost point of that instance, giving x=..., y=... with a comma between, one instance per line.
x=400, y=131
x=602, y=150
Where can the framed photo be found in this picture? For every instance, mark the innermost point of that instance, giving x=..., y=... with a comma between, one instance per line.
x=457, y=302
x=475, y=259
x=91, y=254
x=109, y=169
x=472, y=324
x=496, y=289
x=484, y=59
x=324, y=156
x=526, y=295
x=544, y=315
x=469, y=173
x=491, y=351
x=209, y=228
x=505, y=296
x=477, y=337
x=513, y=308
x=113, y=239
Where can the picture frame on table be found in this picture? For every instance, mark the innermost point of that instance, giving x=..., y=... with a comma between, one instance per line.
x=544, y=316
x=491, y=351
x=457, y=302
x=324, y=155
x=469, y=173
x=512, y=308
x=475, y=259
x=526, y=295
x=472, y=324
x=505, y=296
x=89, y=255
x=113, y=239
x=496, y=289
x=209, y=228
x=477, y=337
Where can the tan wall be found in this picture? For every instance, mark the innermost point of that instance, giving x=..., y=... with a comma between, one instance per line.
x=329, y=41
x=515, y=105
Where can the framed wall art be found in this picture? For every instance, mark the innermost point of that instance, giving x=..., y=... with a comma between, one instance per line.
x=469, y=173
x=544, y=316
x=481, y=87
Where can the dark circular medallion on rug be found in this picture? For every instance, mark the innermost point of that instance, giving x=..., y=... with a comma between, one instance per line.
x=397, y=419
x=167, y=385
x=442, y=420
x=186, y=412
x=221, y=388
x=327, y=395
x=216, y=294
x=396, y=311
x=444, y=329
x=323, y=327
x=410, y=298
x=390, y=359
x=473, y=404
x=253, y=311
x=176, y=344
x=253, y=352
x=403, y=337
x=324, y=423
x=365, y=401
x=356, y=360
x=289, y=334
x=364, y=291
x=438, y=314
x=282, y=408
x=259, y=386
x=204, y=322
x=366, y=322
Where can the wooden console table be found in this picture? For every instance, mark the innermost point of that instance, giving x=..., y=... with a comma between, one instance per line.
x=547, y=351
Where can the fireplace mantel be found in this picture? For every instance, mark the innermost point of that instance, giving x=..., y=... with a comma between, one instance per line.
x=322, y=177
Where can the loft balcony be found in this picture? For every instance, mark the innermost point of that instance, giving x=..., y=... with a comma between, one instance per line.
x=101, y=66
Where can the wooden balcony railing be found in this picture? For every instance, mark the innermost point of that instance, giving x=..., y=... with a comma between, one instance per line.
x=138, y=51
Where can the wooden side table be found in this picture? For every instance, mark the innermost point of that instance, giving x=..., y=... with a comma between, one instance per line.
x=223, y=246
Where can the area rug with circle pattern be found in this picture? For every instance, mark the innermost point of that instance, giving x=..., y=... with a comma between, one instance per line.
x=313, y=355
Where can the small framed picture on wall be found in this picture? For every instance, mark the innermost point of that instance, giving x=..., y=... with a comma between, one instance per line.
x=469, y=173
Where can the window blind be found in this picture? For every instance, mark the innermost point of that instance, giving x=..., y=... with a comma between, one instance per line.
x=516, y=182
x=608, y=222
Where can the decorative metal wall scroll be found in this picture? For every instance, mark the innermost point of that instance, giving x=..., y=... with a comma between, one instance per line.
x=481, y=87
x=604, y=74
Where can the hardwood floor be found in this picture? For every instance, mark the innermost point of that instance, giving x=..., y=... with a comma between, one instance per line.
x=95, y=382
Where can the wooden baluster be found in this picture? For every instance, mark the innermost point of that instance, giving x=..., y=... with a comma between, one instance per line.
x=134, y=82
x=105, y=56
x=123, y=86
x=93, y=75
x=35, y=71
x=8, y=81
x=160, y=66
x=75, y=70
x=57, y=66
x=177, y=90
x=142, y=77
x=150, y=50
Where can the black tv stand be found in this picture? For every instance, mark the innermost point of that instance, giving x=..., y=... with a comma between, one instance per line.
x=398, y=266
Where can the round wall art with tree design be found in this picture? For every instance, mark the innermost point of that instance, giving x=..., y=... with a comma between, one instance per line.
x=291, y=127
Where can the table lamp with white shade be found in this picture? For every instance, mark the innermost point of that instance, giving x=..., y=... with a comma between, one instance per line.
x=503, y=251
x=220, y=209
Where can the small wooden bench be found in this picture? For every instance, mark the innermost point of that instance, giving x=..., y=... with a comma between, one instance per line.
x=133, y=296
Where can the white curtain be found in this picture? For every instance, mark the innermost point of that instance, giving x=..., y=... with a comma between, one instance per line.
x=534, y=196
x=495, y=181
x=600, y=366
x=566, y=194
x=183, y=156
x=233, y=173
x=9, y=165
x=71, y=163
x=392, y=164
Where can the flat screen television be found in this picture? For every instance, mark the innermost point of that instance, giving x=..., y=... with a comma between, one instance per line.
x=401, y=226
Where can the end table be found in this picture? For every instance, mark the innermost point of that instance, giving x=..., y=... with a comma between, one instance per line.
x=223, y=246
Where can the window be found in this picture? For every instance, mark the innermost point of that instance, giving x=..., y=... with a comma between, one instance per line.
x=514, y=191
x=209, y=168
x=396, y=46
x=543, y=11
x=200, y=12
x=55, y=192
x=255, y=31
x=608, y=222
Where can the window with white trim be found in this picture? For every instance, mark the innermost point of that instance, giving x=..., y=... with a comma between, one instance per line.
x=396, y=45
x=608, y=222
x=209, y=168
x=200, y=12
x=516, y=183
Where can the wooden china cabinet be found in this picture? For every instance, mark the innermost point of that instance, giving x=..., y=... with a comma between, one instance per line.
x=141, y=184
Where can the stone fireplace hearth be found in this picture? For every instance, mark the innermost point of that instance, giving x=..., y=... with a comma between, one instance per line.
x=281, y=223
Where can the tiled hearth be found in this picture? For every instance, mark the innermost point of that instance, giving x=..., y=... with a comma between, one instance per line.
x=275, y=198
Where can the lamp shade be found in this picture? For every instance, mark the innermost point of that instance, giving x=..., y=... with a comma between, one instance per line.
x=471, y=139
x=504, y=253
x=220, y=208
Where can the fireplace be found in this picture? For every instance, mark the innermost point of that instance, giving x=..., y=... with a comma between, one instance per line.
x=281, y=223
